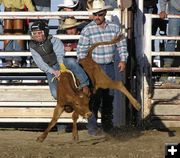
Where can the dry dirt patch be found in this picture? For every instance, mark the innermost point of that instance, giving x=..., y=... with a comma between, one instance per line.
x=128, y=143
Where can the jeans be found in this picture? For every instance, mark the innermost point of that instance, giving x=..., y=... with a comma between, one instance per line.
x=173, y=30
x=72, y=64
x=13, y=46
x=102, y=101
x=53, y=84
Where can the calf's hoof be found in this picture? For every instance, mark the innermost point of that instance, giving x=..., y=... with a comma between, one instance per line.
x=75, y=138
x=40, y=139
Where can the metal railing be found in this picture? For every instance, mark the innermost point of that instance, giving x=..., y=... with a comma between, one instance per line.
x=148, y=54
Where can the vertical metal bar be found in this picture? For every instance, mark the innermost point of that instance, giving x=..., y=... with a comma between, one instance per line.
x=147, y=65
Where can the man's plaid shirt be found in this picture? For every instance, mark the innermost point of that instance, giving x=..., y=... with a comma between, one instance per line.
x=92, y=34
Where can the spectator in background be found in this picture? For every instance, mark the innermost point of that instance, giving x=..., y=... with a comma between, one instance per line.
x=99, y=30
x=70, y=25
x=173, y=27
x=70, y=5
x=67, y=5
x=15, y=26
x=150, y=6
x=41, y=6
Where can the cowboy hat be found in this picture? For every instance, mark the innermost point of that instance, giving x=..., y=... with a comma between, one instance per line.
x=68, y=4
x=99, y=5
x=70, y=22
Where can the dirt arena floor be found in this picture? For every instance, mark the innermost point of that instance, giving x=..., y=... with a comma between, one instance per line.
x=123, y=143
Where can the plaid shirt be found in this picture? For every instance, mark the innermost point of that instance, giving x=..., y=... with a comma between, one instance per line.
x=92, y=34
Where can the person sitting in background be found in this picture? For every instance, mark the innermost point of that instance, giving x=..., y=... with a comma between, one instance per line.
x=48, y=53
x=173, y=26
x=150, y=6
x=70, y=5
x=70, y=25
x=76, y=5
x=15, y=27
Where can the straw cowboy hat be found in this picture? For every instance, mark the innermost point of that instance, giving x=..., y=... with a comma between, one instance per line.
x=99, y=5
x=70, y=22
x=68, y=4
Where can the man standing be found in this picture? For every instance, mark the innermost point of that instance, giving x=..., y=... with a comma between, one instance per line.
x=173, y=25
x=48, y=54
x=100, y=31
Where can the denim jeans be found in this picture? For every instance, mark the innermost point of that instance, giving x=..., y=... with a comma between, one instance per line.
x=13, y=46
x=53, y=84
x=102, y=101
x=173, y=30
x=72, y=64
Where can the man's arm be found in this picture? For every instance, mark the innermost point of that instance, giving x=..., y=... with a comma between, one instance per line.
x=40, y=63
x=58, y=48
x=83, y=45
x=123, y=54
x=163, y=4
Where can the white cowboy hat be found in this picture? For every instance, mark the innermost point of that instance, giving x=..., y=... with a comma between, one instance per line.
x=99, y=5
x=68, y=4
x=70, y=22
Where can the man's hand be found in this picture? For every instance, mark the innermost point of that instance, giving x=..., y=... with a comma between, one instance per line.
x=122, y=66
x=56, y=73
x=163, y=15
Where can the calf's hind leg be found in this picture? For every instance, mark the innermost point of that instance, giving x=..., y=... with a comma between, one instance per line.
x=106, y=82
x=57, y=112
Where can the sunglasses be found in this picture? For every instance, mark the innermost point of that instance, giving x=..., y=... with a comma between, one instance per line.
x=99, y=14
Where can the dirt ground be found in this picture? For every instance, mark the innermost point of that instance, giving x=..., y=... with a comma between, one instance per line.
x=123, y=143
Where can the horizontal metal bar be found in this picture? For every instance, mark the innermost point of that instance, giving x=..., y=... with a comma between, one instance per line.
x=23, y=87
x=33, y=120
x=5, y=54
x=47, y=15
x=171, y=69
x=28, y=103
x=168, y=16
x=23, y=77
x=165, y=37
x=27, y=37
x=41, y=14
x=165, y=53
x=43, y=120
x=20, y=70
x=167, y=86
x=26, y=53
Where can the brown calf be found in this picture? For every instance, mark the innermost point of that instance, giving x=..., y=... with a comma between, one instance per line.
x=69, y=98
x=97, y=76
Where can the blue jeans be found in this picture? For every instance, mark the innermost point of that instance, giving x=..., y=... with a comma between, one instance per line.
x=173, y=30
x=72, y=64
x=102, y=101
x=53, y=84
x=13, y=46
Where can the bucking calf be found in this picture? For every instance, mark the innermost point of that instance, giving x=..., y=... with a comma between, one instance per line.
x=98, y=77
x=69, y=98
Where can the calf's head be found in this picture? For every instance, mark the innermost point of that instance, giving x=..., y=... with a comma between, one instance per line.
x=80, y=103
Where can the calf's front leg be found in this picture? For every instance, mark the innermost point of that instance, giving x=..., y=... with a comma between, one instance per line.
x=75, y=117
x=57, y=112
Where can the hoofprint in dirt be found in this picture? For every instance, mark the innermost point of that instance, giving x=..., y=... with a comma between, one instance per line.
x=128, y=143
